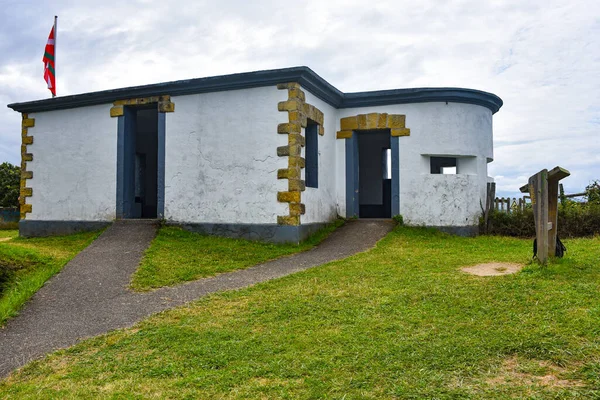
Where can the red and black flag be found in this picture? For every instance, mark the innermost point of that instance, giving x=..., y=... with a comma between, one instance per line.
x=48, y=59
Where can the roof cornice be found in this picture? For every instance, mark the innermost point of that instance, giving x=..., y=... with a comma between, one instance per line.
x=307, y=78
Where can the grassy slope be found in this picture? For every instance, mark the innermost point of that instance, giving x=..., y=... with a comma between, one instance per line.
x=177, y=255
x=35, y=261
x=400, y=321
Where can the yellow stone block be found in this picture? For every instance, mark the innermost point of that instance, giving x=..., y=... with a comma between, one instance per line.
x=295, y=150
x=343, y=135
x=116, y=111
x=166, y=107
x=289, y=105
x=309, y=111
x=26, y=175
x=296, y=185
x=297, y=93
x=289, y=85
x=27, y=140
x=349, y=123
x=28, y=123
x=320, y=130
x=24, y=132
x=396, y=121
x=289, y=127
x=296, y=116
x=372, y=120
x=27, y=157
x=296, y=162
x=24, y=115
x=282, y=173
x=288, y=220
x=297, y=209
x=23, y=183
x=288, y=173
x=289, y=197
x=400, y=132
x=382, y=121
x=319, y=117
x=294, y=173
x=26, y=192
x=296, y=138
x=25, y=208
x=362, y=121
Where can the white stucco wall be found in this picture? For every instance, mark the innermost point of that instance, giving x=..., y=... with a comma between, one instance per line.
x=441, y=129
x=221, y=157
x=320, y=203
x=74, y=165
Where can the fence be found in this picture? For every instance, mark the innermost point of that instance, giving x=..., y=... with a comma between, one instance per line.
x=508, y=205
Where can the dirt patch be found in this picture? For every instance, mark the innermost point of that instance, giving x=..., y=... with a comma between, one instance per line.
x=5, y=239
x=512, y=372
x=493, y=269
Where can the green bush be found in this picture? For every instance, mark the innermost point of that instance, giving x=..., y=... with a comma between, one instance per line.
x=10, y=176
x=399, y=219
x=574, y=220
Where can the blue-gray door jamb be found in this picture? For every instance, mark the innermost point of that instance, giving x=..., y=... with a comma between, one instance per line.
x=120, y=163
x=352, y=195
x=160, y=179
x=352, y=177
x=395, y=146
x=126, y=163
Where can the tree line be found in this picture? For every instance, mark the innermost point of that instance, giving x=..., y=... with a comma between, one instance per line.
x=10, y=176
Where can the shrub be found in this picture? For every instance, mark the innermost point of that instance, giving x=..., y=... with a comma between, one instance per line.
x=399, y=220
x=10, y=176
x=574, y=220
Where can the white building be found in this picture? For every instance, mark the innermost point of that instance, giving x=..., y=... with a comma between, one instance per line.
x=269, y=155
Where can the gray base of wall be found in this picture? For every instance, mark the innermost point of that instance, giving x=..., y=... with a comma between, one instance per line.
x=32, y=228
x=260, y=232
x=459, y=230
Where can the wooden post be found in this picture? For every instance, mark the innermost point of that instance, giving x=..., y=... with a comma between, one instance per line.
x=543, y=189
x=555, y=175
x=538, y=189
x=489, y=204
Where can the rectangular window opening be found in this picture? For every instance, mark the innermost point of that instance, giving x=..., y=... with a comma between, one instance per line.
x=311, y=173
x=443, y=165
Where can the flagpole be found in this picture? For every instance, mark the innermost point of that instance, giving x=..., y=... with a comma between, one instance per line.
x=55, y=52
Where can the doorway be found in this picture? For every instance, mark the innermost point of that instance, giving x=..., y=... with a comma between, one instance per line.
x=372, y=174
x=138, y=192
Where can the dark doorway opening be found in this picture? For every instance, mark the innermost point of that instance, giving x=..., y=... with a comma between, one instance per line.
x=374, y=174
x=139, y=195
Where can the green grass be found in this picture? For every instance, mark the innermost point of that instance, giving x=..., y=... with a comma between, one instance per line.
x=177, y=255
x=400, y=321
x=8, y=233
x=32, y=262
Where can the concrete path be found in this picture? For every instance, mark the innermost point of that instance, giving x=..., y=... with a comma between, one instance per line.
x=91, y=296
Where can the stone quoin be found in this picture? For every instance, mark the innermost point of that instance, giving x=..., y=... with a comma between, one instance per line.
x=267, y=155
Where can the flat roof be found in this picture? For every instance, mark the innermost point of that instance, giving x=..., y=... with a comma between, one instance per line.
x=305, y=76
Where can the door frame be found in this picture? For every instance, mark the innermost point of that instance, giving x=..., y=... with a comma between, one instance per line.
x=352, y=174
x=126, y=127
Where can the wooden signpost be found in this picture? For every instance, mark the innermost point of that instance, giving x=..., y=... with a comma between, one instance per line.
x=543, y=189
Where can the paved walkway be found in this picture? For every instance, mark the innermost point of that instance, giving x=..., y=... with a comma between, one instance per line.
x=91, y=296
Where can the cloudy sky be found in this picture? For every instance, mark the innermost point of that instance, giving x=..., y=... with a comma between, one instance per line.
x=541, y=57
